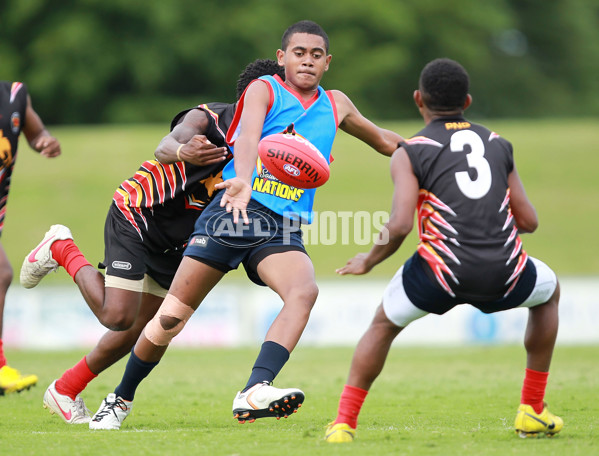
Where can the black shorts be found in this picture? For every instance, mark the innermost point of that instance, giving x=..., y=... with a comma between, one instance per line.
x=430, y=297
x=218, y=242
x=128, y=256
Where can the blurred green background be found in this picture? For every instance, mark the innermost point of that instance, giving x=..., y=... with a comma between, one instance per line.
x=89, y=61
x=107, y=76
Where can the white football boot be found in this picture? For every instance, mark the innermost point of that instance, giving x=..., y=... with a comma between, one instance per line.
x=112, y=413
x=39, y=262
x=71, y=411
x=263, y=400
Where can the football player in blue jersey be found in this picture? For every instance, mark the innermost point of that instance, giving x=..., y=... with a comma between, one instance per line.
x=274, y=250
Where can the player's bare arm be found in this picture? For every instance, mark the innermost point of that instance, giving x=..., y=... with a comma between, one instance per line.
x=38, y=137
x=186, y=142
x=523, y=211
x=239, y=189
x=401, y=220
x=353, y=122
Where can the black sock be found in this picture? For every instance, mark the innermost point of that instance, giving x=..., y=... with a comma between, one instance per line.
x=135, y=372
x=270, y=361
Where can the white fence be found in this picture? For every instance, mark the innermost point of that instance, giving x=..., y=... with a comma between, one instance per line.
x=237, y=314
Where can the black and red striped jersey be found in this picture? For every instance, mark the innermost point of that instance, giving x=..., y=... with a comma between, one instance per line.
x=13, y=105
x=163, y=201
x=468, y=236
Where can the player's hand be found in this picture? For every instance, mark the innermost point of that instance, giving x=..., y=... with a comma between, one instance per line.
x=356, y=266
x=48, y=146
x=201, y=152
x=236, y=198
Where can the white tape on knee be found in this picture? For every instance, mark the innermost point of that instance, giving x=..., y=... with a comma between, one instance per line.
x=171, y=307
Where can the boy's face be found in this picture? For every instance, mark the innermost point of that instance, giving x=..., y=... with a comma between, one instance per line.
x=305, y=61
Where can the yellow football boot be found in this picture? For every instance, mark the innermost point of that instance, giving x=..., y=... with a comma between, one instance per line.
x=339, y=433
x=12, y=381
x=530, y=423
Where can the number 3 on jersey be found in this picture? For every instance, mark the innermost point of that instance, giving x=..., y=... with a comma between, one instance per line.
x=479, y=187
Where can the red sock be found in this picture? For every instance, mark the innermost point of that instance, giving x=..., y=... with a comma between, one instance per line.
x=68, y=255
x=350, y=404
x=2, y=358
x=74, y=380
x=533, y=389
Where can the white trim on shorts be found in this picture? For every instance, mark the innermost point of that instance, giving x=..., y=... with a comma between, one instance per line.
x=401, y=311
x=544, y=286
x=396, y=304
x=145, y=285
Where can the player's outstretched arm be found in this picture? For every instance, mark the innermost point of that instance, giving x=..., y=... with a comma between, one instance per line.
x=38, y=137
x=401, y=220
x=239, y=190
x=186, y=142
x=523, y=211
x=353, y=122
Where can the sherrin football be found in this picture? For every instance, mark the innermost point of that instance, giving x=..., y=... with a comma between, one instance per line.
x=293, y=160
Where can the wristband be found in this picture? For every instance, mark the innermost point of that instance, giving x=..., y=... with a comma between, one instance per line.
x=178, y=151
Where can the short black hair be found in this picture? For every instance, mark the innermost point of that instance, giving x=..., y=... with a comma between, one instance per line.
x=444, y=85
x=256, y=69
x=309, y=27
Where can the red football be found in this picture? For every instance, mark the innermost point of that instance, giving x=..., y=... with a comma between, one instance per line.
x=293, y=160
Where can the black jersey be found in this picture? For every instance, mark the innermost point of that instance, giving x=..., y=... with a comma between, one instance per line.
x=13, y=105
x=468, y=236
x=161, y=201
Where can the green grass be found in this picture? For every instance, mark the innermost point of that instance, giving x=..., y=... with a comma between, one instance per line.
x=427, y=401
x=442, y=401
x=556, y=160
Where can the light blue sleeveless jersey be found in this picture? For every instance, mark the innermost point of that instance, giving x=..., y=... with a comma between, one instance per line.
x=317, y=122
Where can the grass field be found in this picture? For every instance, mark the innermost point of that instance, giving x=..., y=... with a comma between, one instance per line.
x=442, y=401
x=557, y=161
x=427, y=401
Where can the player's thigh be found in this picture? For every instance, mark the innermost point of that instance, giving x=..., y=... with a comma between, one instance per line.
x=289, y=273
x=194, y=280
x=150, y=303
x=133, y=298
x=120, y=301
x=125, y=258
x=6, y=272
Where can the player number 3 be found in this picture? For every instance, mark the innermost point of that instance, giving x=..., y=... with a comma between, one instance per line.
x=478, y=187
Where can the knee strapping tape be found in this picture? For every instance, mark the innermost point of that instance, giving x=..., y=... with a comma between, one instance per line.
x=171, y=307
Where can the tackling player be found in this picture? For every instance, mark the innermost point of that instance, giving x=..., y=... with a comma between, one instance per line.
x=147, y=227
